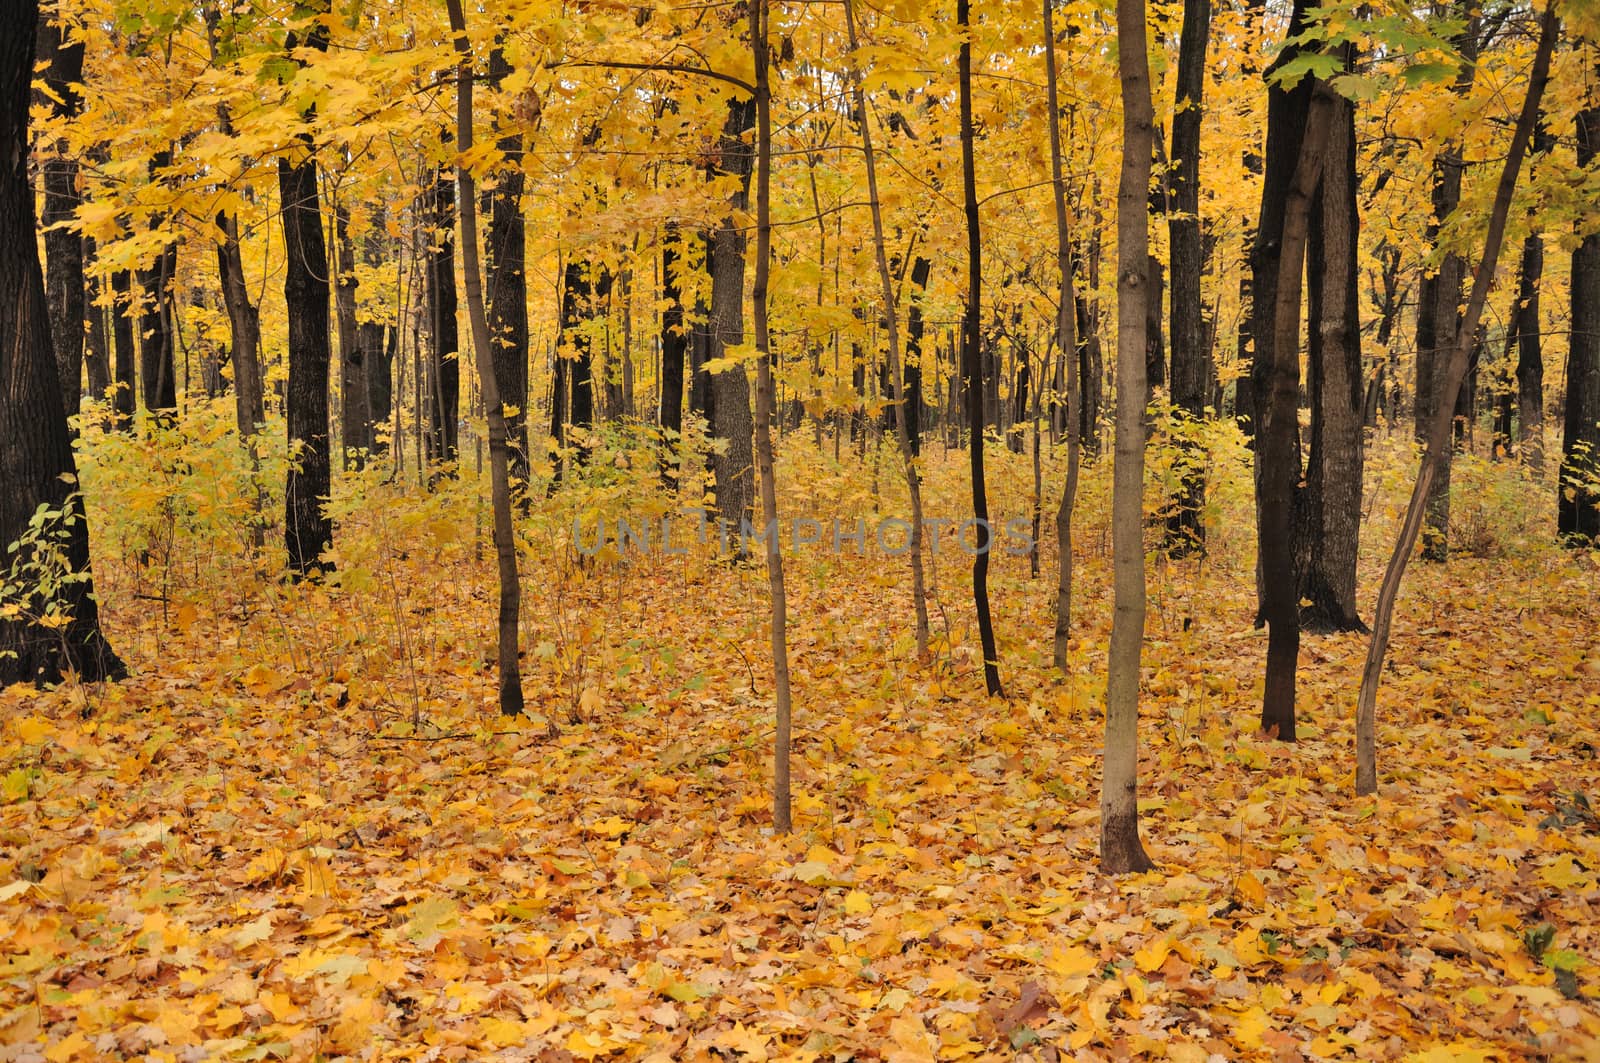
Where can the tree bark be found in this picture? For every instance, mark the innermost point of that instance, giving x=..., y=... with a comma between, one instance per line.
x=1578, y=500
x=157, y=377
x=1328, y=516
x=1530, y=354
x=96, y=342
x=505, y=545
x=1191, y=355
x=972, y=356
x=674, y=346
x=36, y=463
x=508, y=286
x=308, y=531
x=444, y=356
x=1438, y=448
x=355, y=419
x=730, y=398
x=125, y=373
x=1120, y=848
x=60, y=48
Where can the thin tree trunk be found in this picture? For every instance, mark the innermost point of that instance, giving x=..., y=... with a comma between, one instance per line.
x=505, y=545
x=1066, y=341
x=674, y=346
x=1439, y=438
x=1578, y=497
x=1120, y=848
x=508, y=286
x=125, y=372
x=444, y=357
x=891, y=314
x=1530, y=355
x=36, y=462
x=97, y=347
x=972, y=356
x=355, y=420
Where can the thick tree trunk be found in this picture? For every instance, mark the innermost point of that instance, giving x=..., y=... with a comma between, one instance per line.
x=1578, y=500
x=307, y=528
x=1120, y=847
x=508, y=286
x=972, y=356
x=730, y=390
x=1277, y=441
x=1191, y=354
x=1328, y=518
x=36, y=463
x=61, y=50
x=245, y=319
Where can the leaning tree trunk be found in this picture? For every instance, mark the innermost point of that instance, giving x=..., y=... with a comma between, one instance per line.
x=1578, y=501
x=36, y=463
x=972, y=357
x=1438, y=448
x=307, y=529
x=62, y=53
x=505, y=544
x=1120, y=847
x=1191, y=355
x=1328, y=518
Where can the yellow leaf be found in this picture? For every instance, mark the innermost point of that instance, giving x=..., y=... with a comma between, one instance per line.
x=1075, y=961
x=1250, y=888
x=1153, y=955
x=912, y=1044
x=856, y=902
x=1564, y=874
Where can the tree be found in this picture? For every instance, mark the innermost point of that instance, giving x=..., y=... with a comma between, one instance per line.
x=307, y=528
x=48, y=575
x=972, y=356
x=1439, y=437
x=505, y=544
x=507, y=295
x=729, y=390
x=1120, y=847
x=1578, y=502
x=1191, y=355
x=444, y=359
x=60, y=47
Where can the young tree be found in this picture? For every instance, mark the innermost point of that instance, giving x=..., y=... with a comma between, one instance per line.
x=505, y=544
x=1120, y=847
x=972, y=354
x=36, y=464
x=1439, y=437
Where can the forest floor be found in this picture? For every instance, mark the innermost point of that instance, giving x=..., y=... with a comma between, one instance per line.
x=302, y=831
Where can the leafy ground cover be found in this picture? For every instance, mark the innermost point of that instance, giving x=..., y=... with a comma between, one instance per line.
x=300, y=831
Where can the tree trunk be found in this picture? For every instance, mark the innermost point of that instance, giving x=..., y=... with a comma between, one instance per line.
x=1578, y=500
x=36, y=463
x=903, y=430
x=1277, y=440
x=61, y=50
x=355, y=414
x=125, y=373
x=1438, y=447
x=445, y=357
x=157, y=377
x=730, y=398
x=1067, y=309
x=307, y=529
x=1191, y=355
x=674, y=346
x=972, y=358
x=508, y=286
x=378, y=346
x=1530, y=354
x=1328, y=518
x=97, y=347
x=505, y=544
x=781, y=820
x=1120, y=847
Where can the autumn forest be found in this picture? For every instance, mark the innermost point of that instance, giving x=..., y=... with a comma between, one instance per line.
x=827, y=530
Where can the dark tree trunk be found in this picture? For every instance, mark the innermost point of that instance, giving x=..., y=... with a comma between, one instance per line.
x=920, y=270
x=734, y=464
x=157, y=377
x=1191, y=354
x=63, y=247
x=1383, y=388
x=1328, y=526
x=1155, y=351
x=674, y=345
x=377, y=341
x=445, y=358
x=700, y=399
x=576, y=303
x=1578, y=499
x=972, y=360
x=125, y=372
x=355, y=420
x=97, y=345
x=508, y=286
x=1530, y=353
x=1090, y=359
x=36, y=463
x=307, y=529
